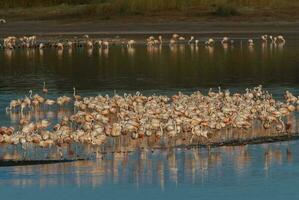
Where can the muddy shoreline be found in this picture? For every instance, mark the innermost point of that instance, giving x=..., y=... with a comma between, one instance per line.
x=63, y=27
x=12, y=163
x=260, y=140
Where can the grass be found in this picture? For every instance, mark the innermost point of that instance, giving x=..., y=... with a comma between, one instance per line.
x=39, y=3
x=44, y=13
x=149, y=5
x=107, y=9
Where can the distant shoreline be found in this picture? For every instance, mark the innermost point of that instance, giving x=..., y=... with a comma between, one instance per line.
x=106, y=27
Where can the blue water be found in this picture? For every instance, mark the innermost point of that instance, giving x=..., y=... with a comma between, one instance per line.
x=267, y=171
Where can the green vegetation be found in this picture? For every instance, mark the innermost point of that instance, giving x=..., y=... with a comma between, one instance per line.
x=32, y=3
x=106, y=9
x=226, y=11
x=149, y=5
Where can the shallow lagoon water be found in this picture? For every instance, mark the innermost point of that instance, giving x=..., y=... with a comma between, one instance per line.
x=267, y=171
x=254, y=171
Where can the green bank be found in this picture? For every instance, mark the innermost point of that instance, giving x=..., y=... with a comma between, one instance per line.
x=138, y=9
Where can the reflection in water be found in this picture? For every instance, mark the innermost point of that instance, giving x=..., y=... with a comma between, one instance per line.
x=131, y=51
x=70, y=52
x=41, y=52
x=163, y=168
x=60, y=53
x=251, y=49
x=105, y=52
x=152, y=67
x=210, y=50
x=225, y=47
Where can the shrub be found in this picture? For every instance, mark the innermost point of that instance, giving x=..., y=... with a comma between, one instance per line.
x=225, y=11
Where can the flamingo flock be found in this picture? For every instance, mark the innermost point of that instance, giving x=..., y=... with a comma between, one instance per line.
x=98, y=119
x=12, y=42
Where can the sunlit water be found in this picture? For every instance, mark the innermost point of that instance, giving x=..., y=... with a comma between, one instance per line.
x=254, y=171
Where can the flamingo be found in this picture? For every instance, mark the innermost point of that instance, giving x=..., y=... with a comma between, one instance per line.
x=76, y=97
x=45, y=90
x=2, y=21
x=191, y=40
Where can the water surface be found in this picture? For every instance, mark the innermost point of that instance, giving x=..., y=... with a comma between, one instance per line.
x=267, y=171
